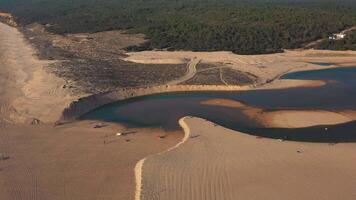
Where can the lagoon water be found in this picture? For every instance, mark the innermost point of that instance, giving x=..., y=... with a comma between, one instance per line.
x=164, y=110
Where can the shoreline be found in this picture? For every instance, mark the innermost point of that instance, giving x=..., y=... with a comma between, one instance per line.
x=287, y=118
x=43, y=84
x=89, y=103
x=215, y=163
x=300, y=62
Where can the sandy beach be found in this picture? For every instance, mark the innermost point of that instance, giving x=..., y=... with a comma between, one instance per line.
x=71, y=161
x=304, y=118
x=77, y=161
x=217, y=163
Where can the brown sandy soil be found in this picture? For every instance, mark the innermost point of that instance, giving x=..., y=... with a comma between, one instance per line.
x=217, y=163
x=72, y=162
x=349, y=113
x=27, y=91
x=224, y=103
x=2, y=14
x=291, y=83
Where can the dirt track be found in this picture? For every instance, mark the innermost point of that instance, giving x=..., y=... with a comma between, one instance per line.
x=192, y=70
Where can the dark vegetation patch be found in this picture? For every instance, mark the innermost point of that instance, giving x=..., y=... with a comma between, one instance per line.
x=236, y=77
x=95, y=76
x=207, y=77
x=91, y=64
x=4, y=156
x=205, y=66
x=244, y=27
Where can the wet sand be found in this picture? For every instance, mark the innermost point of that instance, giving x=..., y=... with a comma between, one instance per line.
x=304, y=118
x=287, y=118
x=217, y=163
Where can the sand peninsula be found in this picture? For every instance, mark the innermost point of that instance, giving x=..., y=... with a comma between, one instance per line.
x=218, y=163
x=77, y=161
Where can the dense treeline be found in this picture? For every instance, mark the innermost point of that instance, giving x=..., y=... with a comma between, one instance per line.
x=245, y=27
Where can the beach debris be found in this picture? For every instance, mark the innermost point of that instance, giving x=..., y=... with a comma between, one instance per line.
x=127, y=140
x=299, y=151
x=100, y=125
x=162, y=136
x=125, y=133
x=194, y=136
x=58, y=123
x=4, y=156
x=326, y=129
x=35, y=121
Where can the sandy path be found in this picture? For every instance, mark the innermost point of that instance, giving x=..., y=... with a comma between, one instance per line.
x=217, y=163
x=192, y=70
x=266, y=67
x=27, y=91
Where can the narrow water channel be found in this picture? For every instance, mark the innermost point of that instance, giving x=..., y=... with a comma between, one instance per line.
x=164, y=110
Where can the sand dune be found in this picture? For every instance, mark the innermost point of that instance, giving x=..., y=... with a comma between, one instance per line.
x=28, y=91
x=217, y=163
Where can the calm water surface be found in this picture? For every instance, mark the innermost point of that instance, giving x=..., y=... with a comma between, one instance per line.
x=164, y=110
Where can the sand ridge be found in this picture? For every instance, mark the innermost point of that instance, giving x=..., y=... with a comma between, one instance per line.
x=140, y=164
x=218, y=163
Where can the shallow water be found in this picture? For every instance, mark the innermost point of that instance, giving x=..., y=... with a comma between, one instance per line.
x=325, y=64
x=164, y=110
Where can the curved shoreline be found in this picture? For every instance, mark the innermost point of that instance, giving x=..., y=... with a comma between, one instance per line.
x=86, y=104
x=217, y=167
x=140, y=163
